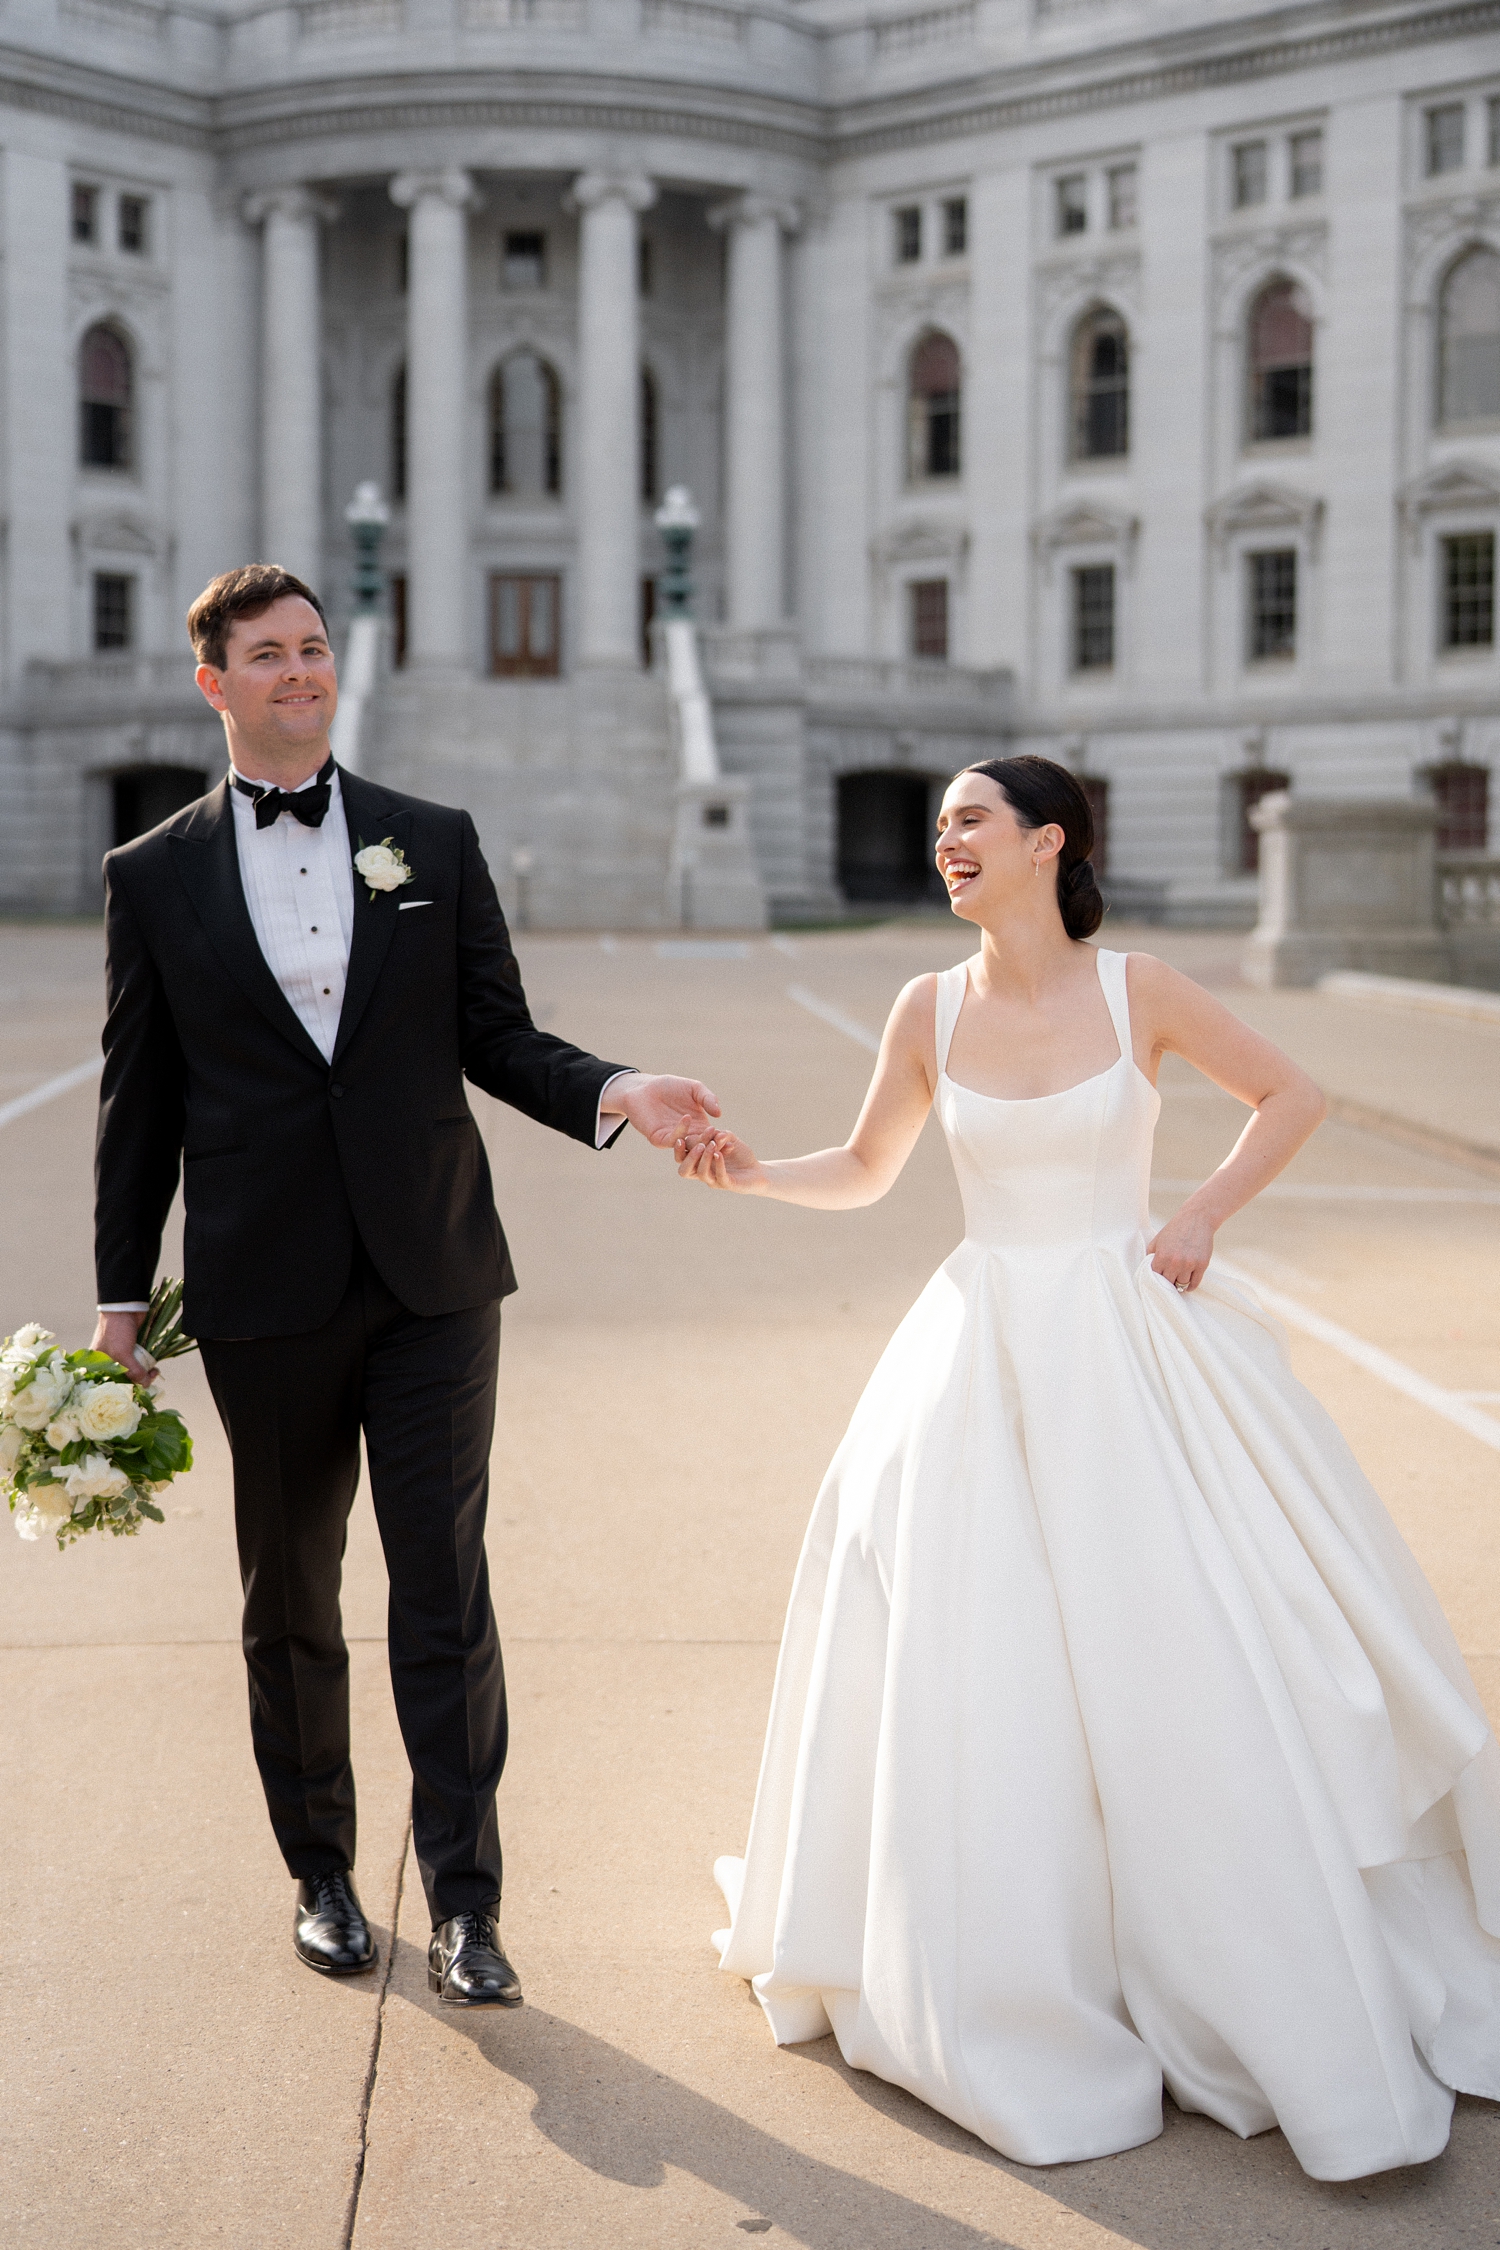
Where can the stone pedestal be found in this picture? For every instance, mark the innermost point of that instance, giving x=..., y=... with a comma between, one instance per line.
x=607, y=484
x=712, y=883
x=1345, y=883
x=438, y=466
x=291, y=468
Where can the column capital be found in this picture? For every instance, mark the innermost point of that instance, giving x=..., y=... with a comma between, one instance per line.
x=294, y=201
x=451, y=184
x=749, y=210
x=633, y=189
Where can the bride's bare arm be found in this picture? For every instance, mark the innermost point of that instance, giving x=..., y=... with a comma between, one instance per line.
x=842, y=1179
x=1174, y=1016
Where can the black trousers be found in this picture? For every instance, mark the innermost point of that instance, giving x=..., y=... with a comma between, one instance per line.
x=423, y=1392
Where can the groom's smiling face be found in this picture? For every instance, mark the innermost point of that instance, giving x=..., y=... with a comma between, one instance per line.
x=277, y=689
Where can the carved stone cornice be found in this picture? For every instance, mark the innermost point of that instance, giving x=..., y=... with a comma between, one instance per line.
x=1454, y=486
x=1263, y=506
x=1245, y=252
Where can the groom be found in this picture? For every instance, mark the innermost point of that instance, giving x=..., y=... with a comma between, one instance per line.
x=294, y=1035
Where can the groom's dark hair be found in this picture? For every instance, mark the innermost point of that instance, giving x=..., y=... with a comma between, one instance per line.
x=239, y=593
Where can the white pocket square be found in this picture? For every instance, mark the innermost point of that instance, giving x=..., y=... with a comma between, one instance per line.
x=405, y=905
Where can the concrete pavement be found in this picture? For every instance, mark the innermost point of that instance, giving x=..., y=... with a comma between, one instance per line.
x=675, y=1373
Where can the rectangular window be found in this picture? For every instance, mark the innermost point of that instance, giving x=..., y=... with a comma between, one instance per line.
x=525, y=642
x=1248, y=179
x=85, y=212
x=1273, y=605
x=112, y=606
x=645, y=266
x=135, y=217
x=1494, y=135
x=929, y=617
x=1122, y=196
x=955, y=226
x=1469, y=590
x=1094, y=618
x=1249, y=174
x=1072, y=204
x=524, y=264
x=908, y=231
x=1307, y=164
x=1445, y=138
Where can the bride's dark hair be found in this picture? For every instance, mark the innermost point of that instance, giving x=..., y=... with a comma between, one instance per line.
x=1042, y=793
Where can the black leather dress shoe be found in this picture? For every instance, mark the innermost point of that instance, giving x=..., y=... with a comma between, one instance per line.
x=466, y=1968
x=329, y=1930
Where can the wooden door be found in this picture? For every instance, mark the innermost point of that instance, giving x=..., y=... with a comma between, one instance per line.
x=525, y=625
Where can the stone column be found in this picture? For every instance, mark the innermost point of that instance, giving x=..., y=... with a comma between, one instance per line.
x=754, y=435
x=606, y=481
x=291, y=387
x=439, y=473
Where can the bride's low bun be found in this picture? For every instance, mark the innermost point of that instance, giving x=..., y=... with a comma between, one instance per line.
x=1043, y=794
x=1079, y=899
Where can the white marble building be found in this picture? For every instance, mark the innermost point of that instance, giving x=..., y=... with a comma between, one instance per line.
x=1114, y=377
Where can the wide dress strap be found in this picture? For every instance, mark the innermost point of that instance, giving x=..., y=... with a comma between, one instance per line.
x=952, y=986
x=1116, y=996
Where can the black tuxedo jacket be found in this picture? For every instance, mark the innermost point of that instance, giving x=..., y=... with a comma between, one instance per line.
x=285, y=1157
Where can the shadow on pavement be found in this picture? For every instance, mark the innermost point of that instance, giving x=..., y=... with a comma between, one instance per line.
x=626, y=2122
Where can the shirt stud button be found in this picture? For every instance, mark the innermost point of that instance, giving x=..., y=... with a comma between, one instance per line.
x=314, y=929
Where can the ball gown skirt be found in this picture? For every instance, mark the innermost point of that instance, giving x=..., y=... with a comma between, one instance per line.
x=1116, y=1735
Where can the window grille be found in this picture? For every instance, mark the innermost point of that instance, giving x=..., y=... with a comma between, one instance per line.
x=1445, y=138
x=955, y=226
x=1122, y=196
x=112, y=610
x=1273, y=605
x=524, y=262
x=1462, y=792
x=1248, y=174
x=135, y=220
x=525, y=427
x=105, y=385
x=929, y=617
x=933, y=409
x=85, y=212
x=1469, y=590
x=1469, y=340
x=1307, y=164
x=1094, y=617
x=1101, y=388
x=1072, y=204
x=908, y=225
x=1281, y=363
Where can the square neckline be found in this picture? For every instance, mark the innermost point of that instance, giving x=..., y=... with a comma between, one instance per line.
x=1125, y=1044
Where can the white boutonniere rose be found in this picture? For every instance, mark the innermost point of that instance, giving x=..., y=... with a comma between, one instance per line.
x=383, y=866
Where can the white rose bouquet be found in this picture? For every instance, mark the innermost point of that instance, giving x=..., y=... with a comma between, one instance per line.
x=82, y=1447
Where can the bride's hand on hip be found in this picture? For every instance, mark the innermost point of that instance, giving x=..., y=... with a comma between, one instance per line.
x=1181, y=1250
x=721, y=1160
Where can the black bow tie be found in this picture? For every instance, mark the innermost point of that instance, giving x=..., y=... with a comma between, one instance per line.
x=307, y=805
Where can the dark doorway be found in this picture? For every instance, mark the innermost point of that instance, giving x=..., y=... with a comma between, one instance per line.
x=151, y=794
x=524, y=639
x=885, y=838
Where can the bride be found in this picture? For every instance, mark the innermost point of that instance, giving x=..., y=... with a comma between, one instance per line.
x=1116, y=1735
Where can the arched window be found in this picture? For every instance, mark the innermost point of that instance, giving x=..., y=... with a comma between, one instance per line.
x=650, y=436
x=1100, y=383
x=1469, y=351
x=398, y=433
x=105, y=383
x=525, y=427
x=932, y=444
x=1281, y=362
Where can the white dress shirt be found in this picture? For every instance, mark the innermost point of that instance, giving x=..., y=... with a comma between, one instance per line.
x=299, y=888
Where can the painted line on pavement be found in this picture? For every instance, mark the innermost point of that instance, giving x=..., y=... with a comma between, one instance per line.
x=49, y=1090
x=1370, y=1357
x=1450, y=1404
x=827, y=1013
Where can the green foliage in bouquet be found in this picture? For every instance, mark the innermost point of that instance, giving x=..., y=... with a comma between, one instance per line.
x=82, y=1446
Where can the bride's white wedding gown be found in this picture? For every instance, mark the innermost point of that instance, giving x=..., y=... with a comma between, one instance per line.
x=1116, y=1733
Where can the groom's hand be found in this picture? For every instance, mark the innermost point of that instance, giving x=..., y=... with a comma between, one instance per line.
x=664, y=1109
x=116, y=1334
